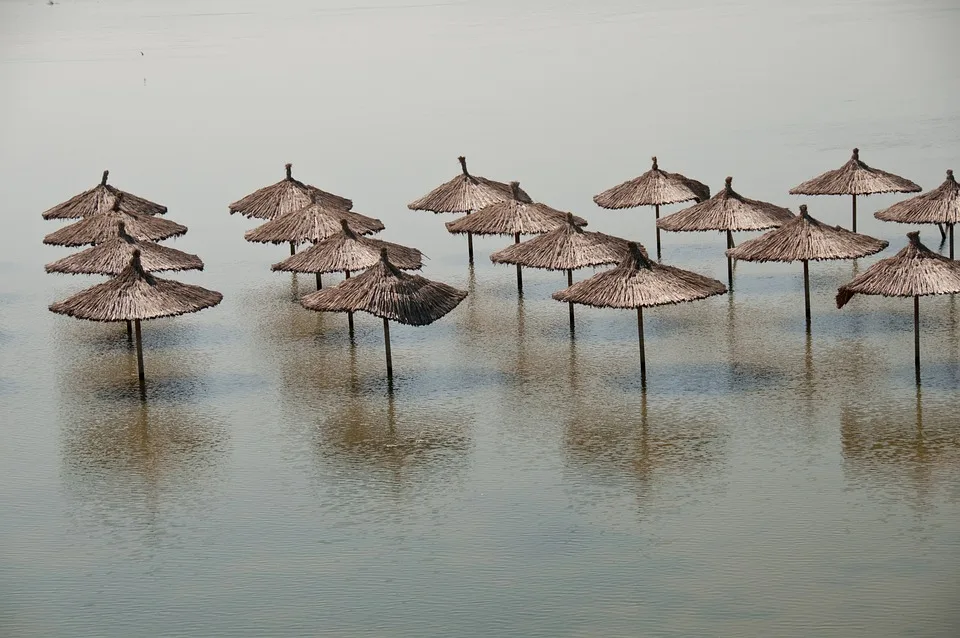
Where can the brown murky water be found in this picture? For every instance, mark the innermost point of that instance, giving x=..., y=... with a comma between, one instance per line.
x=516, y=482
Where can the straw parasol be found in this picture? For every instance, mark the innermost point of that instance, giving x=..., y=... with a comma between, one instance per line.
x=654, y=188
x=855, y=178
x=805, y=239
x=727, y=211
x=637, y=282
x=464, y=193
x=387, y=292
x=568, y=247
x=345, y=252
x=91, y=201
x=514, y=216
x=939, y=206
x=102, y=226
x=915, y=271
x=136, y=295
x=110, y=257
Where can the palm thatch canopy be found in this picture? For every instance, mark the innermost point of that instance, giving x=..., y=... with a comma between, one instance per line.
x=567, y=247
x=855, y=178
x=654, y=188
x=939, y=206
x=311, y=223
x=103, y=226
x=101, y=196
x=346, y=251
x=285, y=196
x=113, y=255
x=135, y=294
x=803, y=238
x=915, y=271
x=727, y=210
x=464, y=193
x=638, y=282
x=385, y=291
x=511, y=217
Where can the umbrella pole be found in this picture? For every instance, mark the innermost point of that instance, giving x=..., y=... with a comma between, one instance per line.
x=656, y=209
x=319, y=282
x=570, y=303
x=140, y=351
x=943, y=231
x=806, y=291
x=386, y=341
x=729, y=262
x=643, y=356
x=916, y=336
x=516, y=240
x=293, y=248
x=854, y=213
x=349, y=314
x=951, y=241
x=129, y=330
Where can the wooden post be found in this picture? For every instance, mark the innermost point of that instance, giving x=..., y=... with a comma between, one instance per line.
x=570, y=303
x=854, y=229
x=951, y=241
x=140, y=351
x=516, y=240
x=916, y=335
x=293, y=248
x=470, y=247
x=656, y=209
x=806, y=291
x=943, y=231
x=386, y=341
x=319, y=282
x=349, y=314
x=643, y=355
x=129, y=330
x=729, y=262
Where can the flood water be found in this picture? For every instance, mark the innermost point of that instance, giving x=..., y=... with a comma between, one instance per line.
x=516, y=482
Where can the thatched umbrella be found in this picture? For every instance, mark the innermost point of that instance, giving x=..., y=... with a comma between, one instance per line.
x=136, y=295
x=311, y=223
x=855, y=178
x=640, y=283
x=514, y=216
x=102, y=226
x=727, y=211
x=345, y=252
x=915, y=271
x=806, y=239
x=464, y=193
x=654, y=188
x=568, y=247
x=387, y=292
x=939, y=206
x=90, y=202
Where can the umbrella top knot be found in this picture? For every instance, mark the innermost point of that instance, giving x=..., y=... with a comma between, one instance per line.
x=728, y=182
x=803, y=211
x=103, y=180
x=289, y=168
x=463, y=164
x=515, y=190
x=950, y=175
x=914, y=237
x=654, y=159
x=856, y=153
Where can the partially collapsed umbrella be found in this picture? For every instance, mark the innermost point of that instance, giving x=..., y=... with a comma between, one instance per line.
x=102, y=226
x=514, y=216
x=568, y=247
x=464, y=193
x=91, y=201
x=136, y=295
x=805, y=239
x=727, y=211
x=387, y=292
x=855, y=178
x=915, y=271
x=654, y=188
x=637, y=283
x=939, y=206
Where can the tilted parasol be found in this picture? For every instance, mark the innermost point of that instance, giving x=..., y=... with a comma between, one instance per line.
x=654, y=188
x=464, y=193
x=805, y=239
x=637, y=282
x=90, y=202
x=568, y=247
x=939, y=206
x=727, y=211
x=136, y=295
x=514, y=216
x=855, y=178
x=387, y=292
x=915, y=271
x=102, y=226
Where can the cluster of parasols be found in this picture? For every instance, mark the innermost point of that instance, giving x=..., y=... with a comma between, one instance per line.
x=123, y=229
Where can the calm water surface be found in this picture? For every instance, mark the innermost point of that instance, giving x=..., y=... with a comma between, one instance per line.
x=516, y=483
